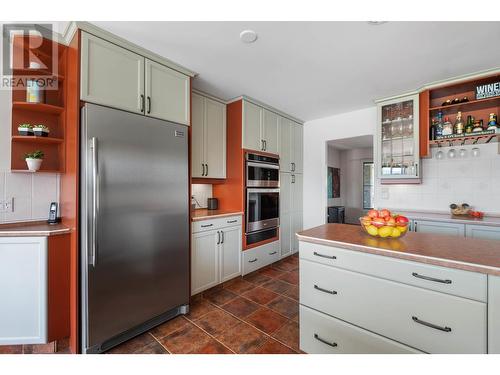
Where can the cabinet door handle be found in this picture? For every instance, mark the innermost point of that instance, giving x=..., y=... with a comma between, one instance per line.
x=415, y=227
x=428, y=278
x=222, y=233
x=207, y=225
x=202, y=169
x=332, y=344
x=218, y=238
x=265, y=145
x=232, y=221
x=293, y=178
x=206, y=174
x=293, y=167
x=325, y=290
x=324, y=256
x=274, y=252
x=149, y=104
x=252, y=261
x=142, y=103
x=427, y=324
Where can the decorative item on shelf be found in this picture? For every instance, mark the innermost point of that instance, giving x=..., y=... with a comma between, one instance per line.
x=459, y=127
x=488, y=90
x=447, y=127
x=34, y=93
x=384, y=224
x=493, y=123
x=25, y=129
x=469, y=126
x=432, y=130
x=476, y=214
x=460, y=210
x=41, y=130
x=478, y=126
x=34, y=160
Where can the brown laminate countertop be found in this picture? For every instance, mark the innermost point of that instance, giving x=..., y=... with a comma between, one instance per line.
x=448, y=218
x=204, y=214
x=32, y=229
x=447, y=251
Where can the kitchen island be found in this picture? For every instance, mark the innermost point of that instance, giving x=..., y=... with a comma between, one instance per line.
x=422, y=293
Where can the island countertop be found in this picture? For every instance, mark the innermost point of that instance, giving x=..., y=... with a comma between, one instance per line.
x=441, y=250
x=32, y=229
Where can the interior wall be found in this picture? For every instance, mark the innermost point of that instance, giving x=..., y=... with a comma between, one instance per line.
x=201, y=192
x=333, y=160
x=351, y=181
x=316, y=134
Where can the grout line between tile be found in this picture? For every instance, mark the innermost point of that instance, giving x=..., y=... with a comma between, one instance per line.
x=158, y=341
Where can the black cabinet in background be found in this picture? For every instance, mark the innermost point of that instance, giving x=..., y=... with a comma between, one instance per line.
x=336, y=214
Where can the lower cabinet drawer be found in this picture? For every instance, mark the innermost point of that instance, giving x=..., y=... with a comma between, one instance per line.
x=322, y=334
x=259, y=257
x=429, y=321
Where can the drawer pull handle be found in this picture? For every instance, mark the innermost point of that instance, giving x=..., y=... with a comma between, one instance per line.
x=232, y=221
x=431, y=278
x=325, y=290
x=274, y=252
x=206, y=225
x=332, y=344
x=417, y=320
x=325, y=256
x=252, y=261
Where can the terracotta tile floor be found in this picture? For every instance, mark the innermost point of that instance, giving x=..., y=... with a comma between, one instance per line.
x=255, y=314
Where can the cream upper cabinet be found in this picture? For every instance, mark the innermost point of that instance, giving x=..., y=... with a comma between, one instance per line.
x=297, y=148
x=270, y=125
x=285, y=144
x=111, y=75
x=167, y=93
x=252, y=126
x=208, y=158
x=198, y=135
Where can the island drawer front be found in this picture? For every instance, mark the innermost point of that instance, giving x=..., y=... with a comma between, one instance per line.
x=217, y=223
x=465, y=284
x=261, y=256
x=342, y=337
x=389, y=309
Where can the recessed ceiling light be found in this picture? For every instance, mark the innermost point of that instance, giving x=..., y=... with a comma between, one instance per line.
x=248, y=36
x=376, y=23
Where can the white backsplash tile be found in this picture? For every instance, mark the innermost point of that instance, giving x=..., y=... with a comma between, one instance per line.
x=32, y=193
x=474, y=180
x=201, y=192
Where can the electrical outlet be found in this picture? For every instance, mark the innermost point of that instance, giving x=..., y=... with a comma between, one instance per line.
x=7, y=205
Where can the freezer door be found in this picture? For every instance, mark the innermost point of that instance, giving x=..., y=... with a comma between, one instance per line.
x=135, y=222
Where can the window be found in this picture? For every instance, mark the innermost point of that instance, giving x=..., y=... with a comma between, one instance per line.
x=368, y=185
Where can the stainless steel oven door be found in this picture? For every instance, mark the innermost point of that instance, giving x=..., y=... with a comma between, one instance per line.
x=262, y=209
x=262, y=174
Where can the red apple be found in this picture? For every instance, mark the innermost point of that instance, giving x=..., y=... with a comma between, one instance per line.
x=401, y=220
x=378, y=222
x=384, y=213
x=390, y=221
x=373, y=214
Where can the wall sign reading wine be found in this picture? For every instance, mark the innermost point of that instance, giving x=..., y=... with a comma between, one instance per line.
x=488, y=90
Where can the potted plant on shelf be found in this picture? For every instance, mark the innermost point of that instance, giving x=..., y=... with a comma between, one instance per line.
x=25, y=129
x=34, y=160
x=41, y=130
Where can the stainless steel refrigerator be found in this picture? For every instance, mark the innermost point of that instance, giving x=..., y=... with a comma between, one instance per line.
x=134, y=225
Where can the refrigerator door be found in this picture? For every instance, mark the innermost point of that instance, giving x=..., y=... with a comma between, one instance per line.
x=135, y=221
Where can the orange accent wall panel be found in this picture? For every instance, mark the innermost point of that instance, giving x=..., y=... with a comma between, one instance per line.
x=58, y=287
x=231, y=193
x=70, y=180
x=424, y=125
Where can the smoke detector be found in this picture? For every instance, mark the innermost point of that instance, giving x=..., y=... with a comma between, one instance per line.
x=248, y=36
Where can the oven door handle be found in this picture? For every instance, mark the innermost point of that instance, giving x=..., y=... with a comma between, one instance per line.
x=262, y=165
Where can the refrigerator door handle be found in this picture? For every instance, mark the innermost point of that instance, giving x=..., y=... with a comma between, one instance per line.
x=95, y=199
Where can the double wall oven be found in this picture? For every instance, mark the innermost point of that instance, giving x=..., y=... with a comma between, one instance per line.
x=262, y=198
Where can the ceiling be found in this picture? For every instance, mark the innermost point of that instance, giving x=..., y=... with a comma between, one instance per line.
x=363, y=141
x=315, y=69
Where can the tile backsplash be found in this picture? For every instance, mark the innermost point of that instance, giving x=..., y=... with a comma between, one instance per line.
x=473, y=180
x=32, y=193
x=201, y=192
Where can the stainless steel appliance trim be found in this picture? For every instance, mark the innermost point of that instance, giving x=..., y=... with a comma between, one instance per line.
x=262, y=165
x=262, y=183
x=262, y=191
x=263, y=224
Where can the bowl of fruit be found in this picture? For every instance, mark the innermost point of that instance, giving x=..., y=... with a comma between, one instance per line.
x=384, y=224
